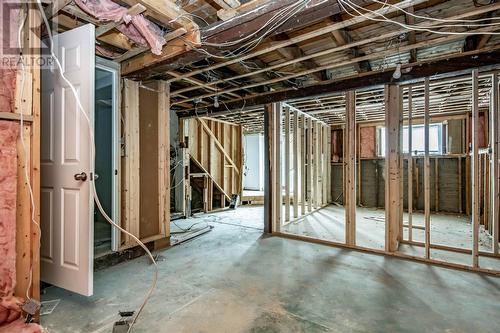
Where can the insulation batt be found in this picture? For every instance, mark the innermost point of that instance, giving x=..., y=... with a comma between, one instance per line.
x=8, y=194
x=8, y=36
x=136, y=27
x=10, y=311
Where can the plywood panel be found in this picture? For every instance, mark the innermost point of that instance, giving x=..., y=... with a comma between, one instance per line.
x=149, y=201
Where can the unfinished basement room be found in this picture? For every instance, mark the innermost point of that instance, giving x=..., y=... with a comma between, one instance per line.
x=209, y=166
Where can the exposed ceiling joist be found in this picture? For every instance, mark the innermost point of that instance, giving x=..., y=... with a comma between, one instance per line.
x=166, y=12
x=421, y=70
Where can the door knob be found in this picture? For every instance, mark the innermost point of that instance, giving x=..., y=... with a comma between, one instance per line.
x=81, y=176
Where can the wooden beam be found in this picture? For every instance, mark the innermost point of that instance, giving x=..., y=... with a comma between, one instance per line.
x=342, y=38
x=443, y=66
x=350, y=169
x=164, y=157
x=412, y=35
x=309, y=164
x=287, y=164
x=410, y=163
x=329, y=165
x=374, y=55
x=134, y=10
x=272, y=189
x=303, y=148
x=131, y=160
x=166, y=12
x=246, y=24
x=222, y=32
x=293, y=52
x=386, y=36
x=427, y=172
x=55, y=7
x=324, y=172
x=114, y=38
x=171, y=49
x=314, y=164
x=218, y=144
x=495, y=169
x=296, y=174
x=393, y=166
x=475, y=169
x=229, y=13
x=224, y=4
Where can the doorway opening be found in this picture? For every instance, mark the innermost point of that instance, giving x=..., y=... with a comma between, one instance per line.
x=106, y=166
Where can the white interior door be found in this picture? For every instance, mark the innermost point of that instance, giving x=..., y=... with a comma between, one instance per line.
x=252, y=150
x=66, y=203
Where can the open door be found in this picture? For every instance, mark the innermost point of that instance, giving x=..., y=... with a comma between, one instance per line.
x=66, y=202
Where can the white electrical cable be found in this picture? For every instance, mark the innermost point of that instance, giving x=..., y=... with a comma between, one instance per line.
x=92, y=167
x=25, y=151
x=283, y=15
x=355, y=8
x=433, y=18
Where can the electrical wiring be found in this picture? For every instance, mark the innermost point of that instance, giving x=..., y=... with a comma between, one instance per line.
x=355, y=8
x=92, y=167
x=286, y=14
x=432, y=18
x=188, y=229
x=298, y=5
x=25, y=153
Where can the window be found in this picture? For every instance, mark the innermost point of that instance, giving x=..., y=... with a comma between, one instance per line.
x=418, y=139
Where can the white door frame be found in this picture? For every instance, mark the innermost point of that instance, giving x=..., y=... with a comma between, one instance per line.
x=114, y=69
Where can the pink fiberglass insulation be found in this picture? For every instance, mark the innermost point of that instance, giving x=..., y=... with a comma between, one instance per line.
x=7, y=89
x=10, y=317
x=136, y=27
x=10, y=311
x=8, y=34
x=8, y=195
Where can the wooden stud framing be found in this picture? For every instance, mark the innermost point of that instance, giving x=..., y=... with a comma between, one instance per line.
x=436, y=184
x=329, y=164
x=459, y=182
x=316, y=164
x=296, y=174
x=182, y=181
x=393, y=169
x=410, y=164
x=475, y=169
x=467, y=166
x=272, y=191
x=396, y=254
x=427, y=173
x=495, y=172
x=309, y=164
x=164, y=156
x=350, y=169
x=131, y=162
x=303, y=184
x=326, y=162
x=287, y=164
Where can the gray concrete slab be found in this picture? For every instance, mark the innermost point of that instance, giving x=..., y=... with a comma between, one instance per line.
x=233, y=279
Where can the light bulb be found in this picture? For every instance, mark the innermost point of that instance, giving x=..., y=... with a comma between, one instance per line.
x=216, y=101
x=397, y=72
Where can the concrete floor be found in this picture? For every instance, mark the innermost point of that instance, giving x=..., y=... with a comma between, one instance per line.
x=233, y=279
x=446, y=229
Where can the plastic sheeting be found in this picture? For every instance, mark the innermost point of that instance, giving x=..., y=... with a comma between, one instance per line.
x=136, y=27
